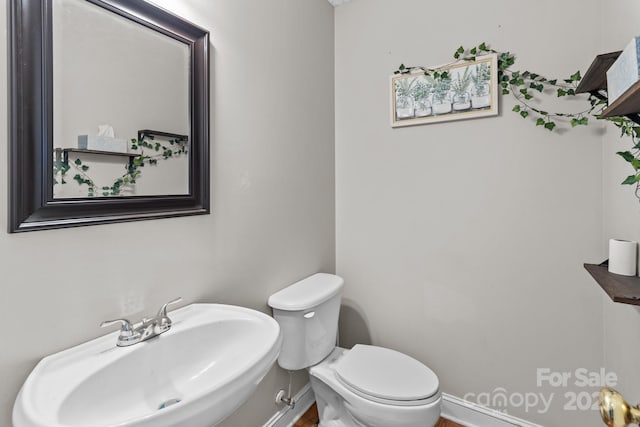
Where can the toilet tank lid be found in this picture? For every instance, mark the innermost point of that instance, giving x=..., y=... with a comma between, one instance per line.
x=307, y=293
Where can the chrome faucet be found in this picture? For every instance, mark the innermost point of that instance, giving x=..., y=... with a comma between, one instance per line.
x=131, y=334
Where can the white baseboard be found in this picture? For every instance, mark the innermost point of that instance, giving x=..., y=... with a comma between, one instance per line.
x=472, y=415
x=286, y=416
x=453, y=408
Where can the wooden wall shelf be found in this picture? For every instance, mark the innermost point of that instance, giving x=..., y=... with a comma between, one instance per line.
x=623, y=289
x=595, y=83
x=595, y=78
x=627, y=103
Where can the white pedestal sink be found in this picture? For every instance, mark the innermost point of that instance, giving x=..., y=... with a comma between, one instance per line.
x=196, y=374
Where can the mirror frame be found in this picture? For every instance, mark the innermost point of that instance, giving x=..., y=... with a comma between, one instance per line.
x=31, y=202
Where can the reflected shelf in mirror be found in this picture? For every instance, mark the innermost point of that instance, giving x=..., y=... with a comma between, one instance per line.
x=62, y=154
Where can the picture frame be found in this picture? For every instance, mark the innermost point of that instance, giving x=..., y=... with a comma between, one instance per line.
x=463, y=90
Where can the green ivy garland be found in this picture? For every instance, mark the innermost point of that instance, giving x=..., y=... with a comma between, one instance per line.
x=526, y=86
x=159, y=151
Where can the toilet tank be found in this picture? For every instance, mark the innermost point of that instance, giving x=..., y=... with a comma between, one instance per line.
x=307, y=312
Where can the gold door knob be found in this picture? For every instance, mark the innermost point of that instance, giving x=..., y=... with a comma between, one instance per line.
x=615, y=411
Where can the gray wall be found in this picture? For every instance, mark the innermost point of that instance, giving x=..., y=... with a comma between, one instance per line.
x=272, y=192
x=462, y=243
x=621, y=214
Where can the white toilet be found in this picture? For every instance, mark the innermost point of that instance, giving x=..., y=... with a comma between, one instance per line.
x=366, y=386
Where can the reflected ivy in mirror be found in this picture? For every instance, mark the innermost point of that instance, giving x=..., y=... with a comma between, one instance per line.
x=157, y=151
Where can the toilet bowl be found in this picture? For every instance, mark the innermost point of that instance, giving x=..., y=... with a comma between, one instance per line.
x=376, y=400
x=367, y=386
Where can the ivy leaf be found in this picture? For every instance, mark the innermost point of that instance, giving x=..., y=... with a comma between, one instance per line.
x=401, y=67
x=627, y=155
x=631, y=179
x=473, y=51
x=540, y=122
x=553, y=82
x=576, y=76
x=539, y=87
x=78, y=162
x=516, y=109
x=524, y=114
x=549, y=125
x=505, y=91
x=561, y=92
x=483, y=47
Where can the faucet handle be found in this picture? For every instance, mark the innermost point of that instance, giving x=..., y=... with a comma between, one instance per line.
x=128, y=335
x=162, y=313
x=126, y=328
x=163, y=323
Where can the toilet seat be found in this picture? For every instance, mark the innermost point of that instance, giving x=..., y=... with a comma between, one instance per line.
x=387, y=376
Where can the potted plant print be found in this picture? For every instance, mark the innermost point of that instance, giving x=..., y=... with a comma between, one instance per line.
x=405, y=108
x=441, y=89
x=421, y=95
x=480, y=94
x=460, y=87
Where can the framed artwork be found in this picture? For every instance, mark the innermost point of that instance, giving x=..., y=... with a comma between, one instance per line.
x=464, y=90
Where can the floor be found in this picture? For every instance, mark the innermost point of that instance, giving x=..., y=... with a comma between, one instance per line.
x=310, y=419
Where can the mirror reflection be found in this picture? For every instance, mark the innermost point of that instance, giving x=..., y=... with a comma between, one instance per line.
x=121, y=116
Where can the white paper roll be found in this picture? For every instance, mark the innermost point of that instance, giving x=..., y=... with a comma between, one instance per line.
x=622, y=257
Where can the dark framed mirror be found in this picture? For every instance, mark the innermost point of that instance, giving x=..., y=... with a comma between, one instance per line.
x=108, y=113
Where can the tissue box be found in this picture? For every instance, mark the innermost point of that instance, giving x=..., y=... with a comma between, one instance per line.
x=625, y=71
x=103, y=143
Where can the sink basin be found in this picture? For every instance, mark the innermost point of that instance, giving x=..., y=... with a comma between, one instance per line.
x=196, y=374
